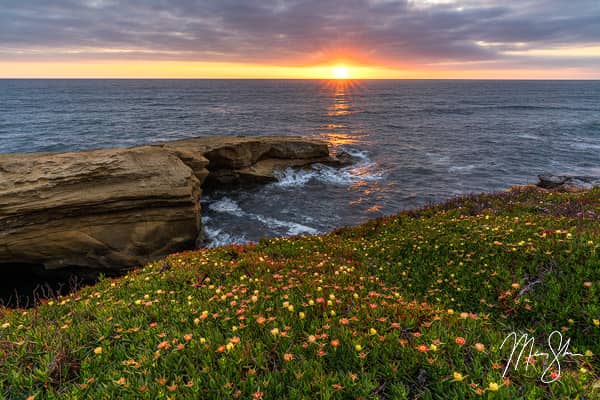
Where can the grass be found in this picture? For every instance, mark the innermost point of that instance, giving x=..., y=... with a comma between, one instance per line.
x=414, y=305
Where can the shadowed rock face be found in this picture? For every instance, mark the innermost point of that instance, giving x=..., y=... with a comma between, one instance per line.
x=121, y=208
x=99, y=209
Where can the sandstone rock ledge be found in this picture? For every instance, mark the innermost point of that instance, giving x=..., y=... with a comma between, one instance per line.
x=121, y=208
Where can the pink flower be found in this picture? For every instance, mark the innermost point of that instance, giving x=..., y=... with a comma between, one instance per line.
x=460, y=340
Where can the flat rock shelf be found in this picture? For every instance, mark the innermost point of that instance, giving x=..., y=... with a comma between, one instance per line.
x=115, y=209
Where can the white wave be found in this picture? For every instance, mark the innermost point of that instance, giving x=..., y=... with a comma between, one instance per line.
x=530, y=136
x=362, y=155
x=347, y=175
x=293, y=228
x=226, y=205
x=294, y=177
x=218, y=238
x=461, y=168
x=363, y=170
x=326, y=174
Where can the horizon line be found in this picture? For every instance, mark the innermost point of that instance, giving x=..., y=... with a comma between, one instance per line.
x=296, y=79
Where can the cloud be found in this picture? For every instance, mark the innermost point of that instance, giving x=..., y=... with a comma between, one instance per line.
x=294, y=32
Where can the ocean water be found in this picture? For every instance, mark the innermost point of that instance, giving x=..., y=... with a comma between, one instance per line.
x=416, y=142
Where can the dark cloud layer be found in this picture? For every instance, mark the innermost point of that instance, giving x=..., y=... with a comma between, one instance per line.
x=402, y=32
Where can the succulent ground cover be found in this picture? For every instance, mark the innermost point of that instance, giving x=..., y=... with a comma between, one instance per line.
x=415, y=305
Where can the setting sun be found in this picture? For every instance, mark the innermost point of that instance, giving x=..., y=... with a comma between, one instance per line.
x=341, y=72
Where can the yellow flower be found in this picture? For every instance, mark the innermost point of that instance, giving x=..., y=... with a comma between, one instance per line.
x=433, y=347
x=290, y=308
x=358, y=347
x=450, y=311
x=229, y=346
x=196, y=321
x=98, y=350
x=493, y=386
x=588, y=353
x=311, y=302
x=596, y=322
x=373, y=331
x=5, y=325
x=301, y=315
x=458, y=377
x=275, y=331
x=202, y=340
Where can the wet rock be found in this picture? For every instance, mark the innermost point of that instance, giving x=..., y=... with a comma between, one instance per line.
x=567, y=182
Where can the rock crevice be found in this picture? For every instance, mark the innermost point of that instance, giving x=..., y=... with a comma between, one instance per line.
x=115, y=209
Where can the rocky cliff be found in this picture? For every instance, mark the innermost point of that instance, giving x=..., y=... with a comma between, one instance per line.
x=120, y=208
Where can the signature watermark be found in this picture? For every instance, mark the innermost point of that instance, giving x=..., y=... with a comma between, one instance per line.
x=558, y=348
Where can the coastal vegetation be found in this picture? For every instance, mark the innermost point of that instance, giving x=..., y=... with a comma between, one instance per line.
x=414, y=305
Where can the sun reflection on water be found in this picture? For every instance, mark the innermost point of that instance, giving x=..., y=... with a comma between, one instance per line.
x=339, y=133
x=343, y=134
x=342, y=95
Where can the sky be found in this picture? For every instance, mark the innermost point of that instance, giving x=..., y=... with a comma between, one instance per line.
x=522, y=39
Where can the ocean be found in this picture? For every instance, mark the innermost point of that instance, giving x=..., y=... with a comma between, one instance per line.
x=417, y=141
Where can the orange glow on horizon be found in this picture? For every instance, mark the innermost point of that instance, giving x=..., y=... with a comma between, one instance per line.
x=148, y=69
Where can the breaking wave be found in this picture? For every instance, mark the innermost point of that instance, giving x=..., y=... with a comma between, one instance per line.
x=225, y=205
x=363, y=170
